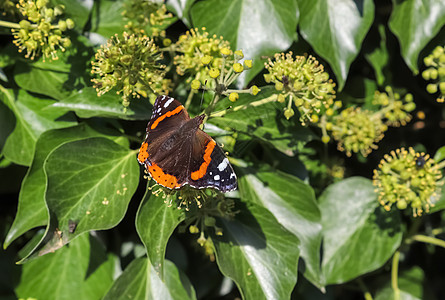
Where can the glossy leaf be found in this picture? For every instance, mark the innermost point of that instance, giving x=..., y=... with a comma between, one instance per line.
x=75, y=10
x=265, y=122
x=257, y=27
x=107, y=18
x=181, y=8
x=440, y=154
x=140, y=281
x=358, y=235
x=258, y=254
x=379, y=57
x=81, y=271
x=155, y=223
x=336, y=30
x=90, y=183
x=86, y=104
x=293, y=204
x=32, y=119
x=59, y=78
x=32, y=211
x=415, y=23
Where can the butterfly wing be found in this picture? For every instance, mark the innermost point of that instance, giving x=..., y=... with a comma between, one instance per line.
x=209, y=165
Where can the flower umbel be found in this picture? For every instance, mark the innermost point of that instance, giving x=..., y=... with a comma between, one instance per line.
x=302, y=81
x=357, y=130
x=407, y=178
x=193, y=46
x=395, y=110
x=130, y=64
x=435, y=72
x=39, y=33
x=144, y=15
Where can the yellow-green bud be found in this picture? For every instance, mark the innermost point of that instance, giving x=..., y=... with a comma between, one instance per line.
x=281, y=98
x=166, y=42
x=225, y=51
x=196, y=84
x=248, y=64
x=314, y=118
x=325, y=139
x=238, y=68
x=254, y=90
x=62, y=25
x=279, y=86
x=214, y=73
x=193, y=229
x=233, y=97
x=239, y=54
x=431, y=88
x=288, y=113
x=206, y=60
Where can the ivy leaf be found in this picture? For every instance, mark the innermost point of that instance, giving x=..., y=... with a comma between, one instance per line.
x=257, y=27
x=358, y=236
x=379, y=57
x=155, y=223
x=258, y=254
x=59, y=78
x=90, y=183
x=140, y=281
x=440, y=154
x=32, y=211
x=336, y=30
x=415, y=23
x=106, y=18
x=83, y=270
x=265, y=122
x=293, y=204
x=32, y=119
x=86, y=104
x=181, y=8
x=76, y=10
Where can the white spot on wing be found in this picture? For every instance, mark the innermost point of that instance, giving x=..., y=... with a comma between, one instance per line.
x=216, y=177
x=232, y=175
x=168, y=102
x=223, y=165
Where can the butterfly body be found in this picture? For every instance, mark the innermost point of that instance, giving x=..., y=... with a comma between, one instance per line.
x=176, y=152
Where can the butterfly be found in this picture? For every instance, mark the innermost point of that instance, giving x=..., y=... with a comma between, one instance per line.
x=176, y=152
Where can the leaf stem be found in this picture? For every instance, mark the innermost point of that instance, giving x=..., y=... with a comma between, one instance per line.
x=394, y=275
x=9, y=24
x=366, y=294
x=221, y=113
x=428, y=240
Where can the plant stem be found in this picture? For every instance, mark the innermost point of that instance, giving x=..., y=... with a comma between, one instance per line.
x=428, y=240
x=394, y=275
x=251, y=104
x=9, y=24
x=366, y=294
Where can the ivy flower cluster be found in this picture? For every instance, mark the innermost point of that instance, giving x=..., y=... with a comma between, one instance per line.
x=407, y=178
x=143, y=15
x=39, y=33
x=303, y=82
x=435, y=72
x=195, y=45
x=359, y=130
x=130, y=65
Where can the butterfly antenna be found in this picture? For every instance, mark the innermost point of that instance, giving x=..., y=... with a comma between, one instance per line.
x=202, y=95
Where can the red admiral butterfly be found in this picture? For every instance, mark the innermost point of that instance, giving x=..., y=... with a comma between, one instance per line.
x=176, y=152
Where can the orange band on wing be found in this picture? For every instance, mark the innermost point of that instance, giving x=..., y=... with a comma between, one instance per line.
x=177, y=110
x=203, y=168
x=143, y=154
x=162, y=178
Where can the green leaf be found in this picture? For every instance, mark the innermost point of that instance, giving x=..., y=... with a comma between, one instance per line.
x=257, y=27
x=90, y=183
x=379, y=57
x=155, y=223
x=415, y=23
x=410, y=284
x=32, y=119
x=258, y=254
x=7, y=121
x=59, y=78
x=86, y=104
x=107, y=18
x=265, y=122
x=83, y=271
x=181, y=8
x=32, y=211
x=440, y=203
x=140, y=281
x=358, y=235
x=293, y=204
x=336, y=30
x=75, y=10
x=440, y=154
